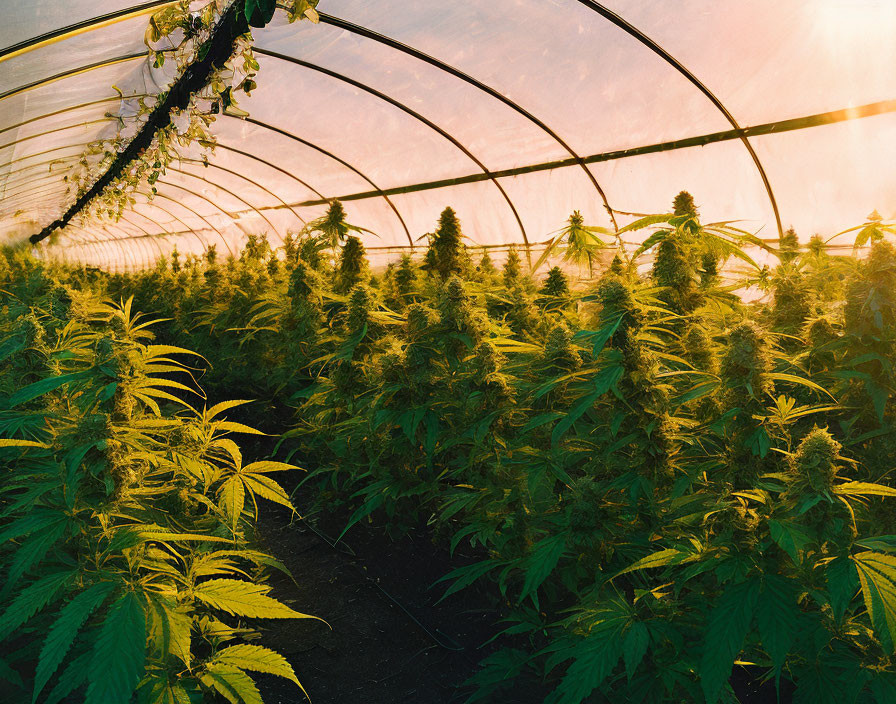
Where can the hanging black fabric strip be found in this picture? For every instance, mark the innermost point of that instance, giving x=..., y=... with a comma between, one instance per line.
x=214, y=54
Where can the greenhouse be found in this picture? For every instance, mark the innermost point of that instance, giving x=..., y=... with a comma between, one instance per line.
x=510, y=351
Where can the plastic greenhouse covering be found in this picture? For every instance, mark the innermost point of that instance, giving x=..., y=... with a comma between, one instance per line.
x=514, y=112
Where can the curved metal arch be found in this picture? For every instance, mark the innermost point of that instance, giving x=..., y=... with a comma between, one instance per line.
x=151, y=202
x=476, y=83
x=12, y=190
x=409, y=111
x=248, y=180
x=105, y=242
x=146, y=254
x=150, y=198
x=220, y=234
x=323, y=151
x=212, y=164
x=128, y=235
x=109, y=62
x=273, y=166
x=43, y=153
x=142, y=238
x=145, y=232
x=634, y=32
x=70, y=108
x=71, y=73
x=80, y=28
x=140, y=95
x=259, y=186
x=27, y=191
x=186, y=227
x=591, y=4
x=153, y=238
x=29, y=195
x=46, y=177
x=12, y=174
x=9, y=183
x=228, y=192
x=129, y=254
x=53, y=131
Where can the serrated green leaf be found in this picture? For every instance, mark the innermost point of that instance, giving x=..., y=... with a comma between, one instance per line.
x=726, y=629
x=257, y=659
x=267, y=488
x=777, y=618
x=843, y=584
x=73, y=677
x=243, y=599
x=116, y=663
x=634, y=646
x=64, y=630
x=790, y=536
x=30, y=600
x=231, y=497
x=877, y=575
x=169, y=627
x=541, y=562
x=231, y=683
x=219, y=408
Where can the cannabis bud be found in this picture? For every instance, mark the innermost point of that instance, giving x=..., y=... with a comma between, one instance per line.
x=420, y=320
x=684, y=205
x=360, y=304
x=559, y=351
x=698, y=347
x=556, y=284
x=815, y=460
x=512, y=267
x=746, y=364
x=788, y=246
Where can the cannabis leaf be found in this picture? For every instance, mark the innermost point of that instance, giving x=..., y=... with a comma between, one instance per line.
x=243, y=599
x=726, y=629
x=118, y=653
x=64, y=630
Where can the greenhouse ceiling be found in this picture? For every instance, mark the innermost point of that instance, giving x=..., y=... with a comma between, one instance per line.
x=513, y=112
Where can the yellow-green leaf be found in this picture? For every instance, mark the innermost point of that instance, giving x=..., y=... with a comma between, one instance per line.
x=864, y=489
x=243, y=599
x=258, y=659
x=877, y=575
x=657, y=559
x=231, y=683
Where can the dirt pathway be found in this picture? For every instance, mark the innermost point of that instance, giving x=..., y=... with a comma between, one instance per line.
x=390, y=642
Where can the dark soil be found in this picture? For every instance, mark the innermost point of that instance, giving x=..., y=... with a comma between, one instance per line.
x=388, y=641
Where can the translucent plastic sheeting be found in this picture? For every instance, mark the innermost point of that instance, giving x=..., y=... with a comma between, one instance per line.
x=485, y=125
x=771, y=60
x=120, y=39
x=721, y=177
x=31, y=134
x=431, y=101
x=592, y=83
x=832, y=177
x=389, y=146
x=23, y=19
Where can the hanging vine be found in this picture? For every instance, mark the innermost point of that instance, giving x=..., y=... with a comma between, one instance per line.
x=181, y=34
